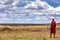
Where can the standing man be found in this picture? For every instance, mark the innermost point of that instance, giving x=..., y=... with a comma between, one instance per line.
x=53, y=28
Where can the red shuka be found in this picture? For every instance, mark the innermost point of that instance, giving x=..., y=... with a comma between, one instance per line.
x=53, y=27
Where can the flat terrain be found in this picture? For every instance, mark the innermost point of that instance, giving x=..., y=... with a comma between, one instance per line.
x=27, y=32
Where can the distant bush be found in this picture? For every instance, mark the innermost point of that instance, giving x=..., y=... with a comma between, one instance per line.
x=6, y=29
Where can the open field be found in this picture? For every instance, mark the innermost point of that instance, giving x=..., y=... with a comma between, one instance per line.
x=27, y=32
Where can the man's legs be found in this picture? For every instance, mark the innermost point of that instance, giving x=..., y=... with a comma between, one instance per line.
x=54, y=35
x=50, y=35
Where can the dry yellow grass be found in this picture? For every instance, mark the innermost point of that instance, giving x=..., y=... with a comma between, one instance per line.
x=28, y=32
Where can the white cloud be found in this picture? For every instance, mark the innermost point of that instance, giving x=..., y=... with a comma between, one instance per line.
x=46, y=8
x=8, y=3
x=32, y=5
x=15, y=2
x=39, y=4
x=32, y=12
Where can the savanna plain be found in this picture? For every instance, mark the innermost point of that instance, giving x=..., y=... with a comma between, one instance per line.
x=28, y=32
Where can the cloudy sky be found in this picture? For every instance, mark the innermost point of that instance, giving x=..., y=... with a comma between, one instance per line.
x=29, y=11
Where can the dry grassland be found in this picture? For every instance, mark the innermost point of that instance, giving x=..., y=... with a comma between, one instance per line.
x=27, y=32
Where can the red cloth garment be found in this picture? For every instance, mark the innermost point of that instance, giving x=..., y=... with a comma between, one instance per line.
x=53, y=27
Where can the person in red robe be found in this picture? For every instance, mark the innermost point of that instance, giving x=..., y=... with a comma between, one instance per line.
x=53, y=28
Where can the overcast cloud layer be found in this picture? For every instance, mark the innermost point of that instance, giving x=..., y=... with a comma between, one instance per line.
x=27, y=12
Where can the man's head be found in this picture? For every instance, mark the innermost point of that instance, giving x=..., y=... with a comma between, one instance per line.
x=52, y=19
